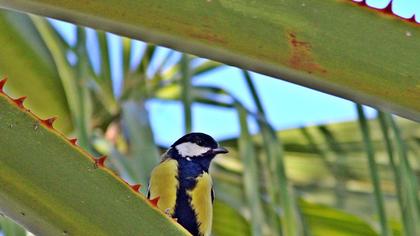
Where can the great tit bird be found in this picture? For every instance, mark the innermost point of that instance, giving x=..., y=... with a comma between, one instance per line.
x=183, y=184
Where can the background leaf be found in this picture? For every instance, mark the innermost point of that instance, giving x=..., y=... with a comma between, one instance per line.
x=35, y=71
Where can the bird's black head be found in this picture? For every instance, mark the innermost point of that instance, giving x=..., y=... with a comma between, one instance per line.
x=196, y=145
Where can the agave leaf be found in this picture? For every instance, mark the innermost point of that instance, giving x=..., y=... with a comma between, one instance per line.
x=103, y=80
x=250, y=175
x=407, y=211
x=370, y=153
x=84, y=106
x=143, y=152
x=127, y=45
x=228, y=222
x=201, y=94
x=325, y=220
x=310, y=172
x=147, y=57
x=136, y=85
x=410, y=184
x=53, y=187
x=206, y=67
x=186, y=85
x=282, y=192
x=319, y=218
x=338, y=47
x=23, y=48
x=336, y=155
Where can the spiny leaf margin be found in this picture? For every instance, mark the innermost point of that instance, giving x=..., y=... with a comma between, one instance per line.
x=53, y=187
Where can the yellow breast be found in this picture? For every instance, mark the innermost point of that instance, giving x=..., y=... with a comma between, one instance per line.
x=164, y=184
x=201, y=202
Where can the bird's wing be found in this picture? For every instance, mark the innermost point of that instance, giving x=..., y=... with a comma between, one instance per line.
x=164, y=184
x=201, y=202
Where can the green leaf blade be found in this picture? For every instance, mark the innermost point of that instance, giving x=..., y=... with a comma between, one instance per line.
x=53, y=188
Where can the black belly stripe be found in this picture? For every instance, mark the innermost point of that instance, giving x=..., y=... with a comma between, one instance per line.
x=184, y=213
x=187, y=174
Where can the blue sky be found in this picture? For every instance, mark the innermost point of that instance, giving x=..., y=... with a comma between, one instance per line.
x=287, y=105
x=402, y=8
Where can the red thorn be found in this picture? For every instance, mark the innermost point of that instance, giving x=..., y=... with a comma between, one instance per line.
x=136, y=187
x=73, y=141
x=100, y=161
x=154, y=201
x=19, y=101
x=2, y=83
x=49, y=122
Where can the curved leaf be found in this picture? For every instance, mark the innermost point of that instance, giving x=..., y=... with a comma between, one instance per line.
x=336, y=47
x=25, y=59
x=52, y=187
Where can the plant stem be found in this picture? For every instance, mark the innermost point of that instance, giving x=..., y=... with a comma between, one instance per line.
x=407, y=224
x=379, y=199
x=250, y=174
x=274, y=151
x=409, y=178
x=186, y=92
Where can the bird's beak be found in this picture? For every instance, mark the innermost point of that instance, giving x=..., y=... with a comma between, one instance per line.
x=219, y=150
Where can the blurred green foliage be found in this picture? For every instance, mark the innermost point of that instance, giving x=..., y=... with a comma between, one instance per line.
x=316, y=180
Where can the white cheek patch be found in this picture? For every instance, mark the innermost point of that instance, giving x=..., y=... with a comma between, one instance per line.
x=191, y=149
